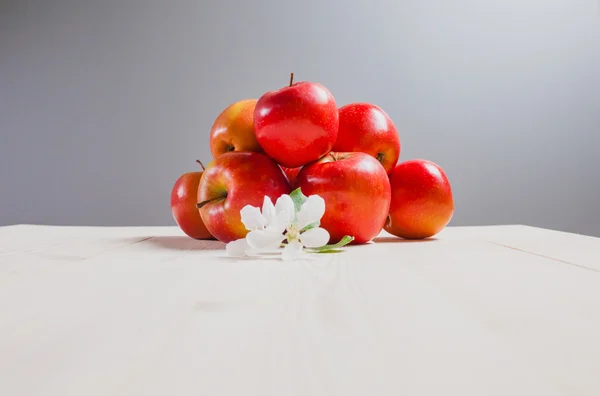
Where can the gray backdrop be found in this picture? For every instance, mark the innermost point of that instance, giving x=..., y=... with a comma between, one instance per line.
x=104, y=103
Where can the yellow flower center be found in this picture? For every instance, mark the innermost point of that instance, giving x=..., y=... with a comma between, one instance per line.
x=292, y=232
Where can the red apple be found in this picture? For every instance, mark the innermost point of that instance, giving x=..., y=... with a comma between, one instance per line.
x=367, y=128
x=184, y=197
x=232, y=181
x=292, y=175
x=356, y=190
x=297, y=124
x=233, y=129
x=422, y=203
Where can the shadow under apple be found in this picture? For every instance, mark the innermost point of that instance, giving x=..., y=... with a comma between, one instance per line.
x=185, y=243
x=388, y=239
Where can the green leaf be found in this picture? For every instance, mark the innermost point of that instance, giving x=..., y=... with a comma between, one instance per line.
x=311, y=225
x=329, y=251
x=298, y=198
x=343, y=242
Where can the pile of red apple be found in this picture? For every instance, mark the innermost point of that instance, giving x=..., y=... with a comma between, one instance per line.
x=297, y=137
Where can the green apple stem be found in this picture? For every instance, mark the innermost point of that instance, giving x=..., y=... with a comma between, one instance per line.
x=201, y=164
x=291, y=79
x=201, y=204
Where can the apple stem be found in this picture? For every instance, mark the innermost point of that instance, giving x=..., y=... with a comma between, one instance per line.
x=388, y=221
x=291, y=78
x=201, y=204
x=380, y=157
x=201, y=164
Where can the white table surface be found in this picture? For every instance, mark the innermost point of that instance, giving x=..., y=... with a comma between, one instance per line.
x=480, y=311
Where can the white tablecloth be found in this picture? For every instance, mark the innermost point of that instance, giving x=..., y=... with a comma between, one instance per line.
x=480, y=311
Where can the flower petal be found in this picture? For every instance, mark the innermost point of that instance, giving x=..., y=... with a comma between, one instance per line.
x=237, y=248
x=264, y=239
x=268, y=210
x=292, y=250
x=285, y=205
x=315, y=237
x=311, y=211
x=280, y=223
x=252, y=218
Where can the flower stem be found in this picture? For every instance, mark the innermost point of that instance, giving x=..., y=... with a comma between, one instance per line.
x=343, y=242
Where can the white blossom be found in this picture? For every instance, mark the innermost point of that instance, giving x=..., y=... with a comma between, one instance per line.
x=275, y=224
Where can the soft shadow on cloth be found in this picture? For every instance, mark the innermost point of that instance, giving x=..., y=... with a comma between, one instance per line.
x=400, y=240
x=184, y=243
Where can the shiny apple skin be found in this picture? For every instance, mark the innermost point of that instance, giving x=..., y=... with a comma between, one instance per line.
x=183, y=206
x=422, y=201
x=297, y=124
x=365, y=127
x=292, y=175
x=357, y=194
x=233, y=129
x=240, y=178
